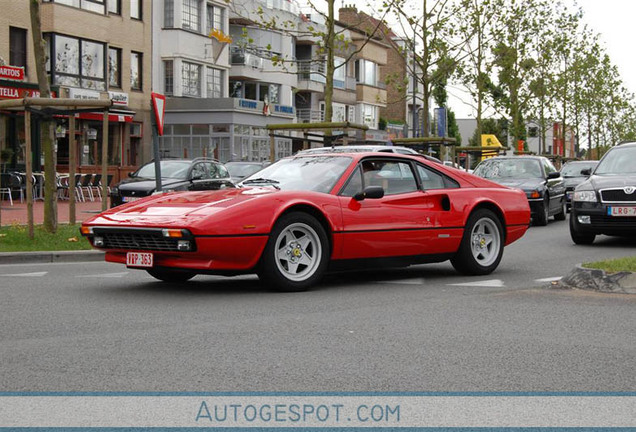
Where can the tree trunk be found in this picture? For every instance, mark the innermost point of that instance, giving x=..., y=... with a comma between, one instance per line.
x=47, y=126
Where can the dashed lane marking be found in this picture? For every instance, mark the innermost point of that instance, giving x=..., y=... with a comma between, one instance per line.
x=550, y=279
x=487, y=283
x=104, y=275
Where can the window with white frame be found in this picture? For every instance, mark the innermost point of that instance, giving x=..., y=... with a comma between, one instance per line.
x=89, y=5
x=366, y=72
x=168, y=77
x=339, y=73
x=190, y=79
x=214, y=17
x=191, y=15
x=136, y=70
x=369, y=114
x=214, y=83
x=135, y=9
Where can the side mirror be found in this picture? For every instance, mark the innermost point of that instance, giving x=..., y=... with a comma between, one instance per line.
x=586, y=171
x=370, y=192
x=131, y=174
x=554, y=175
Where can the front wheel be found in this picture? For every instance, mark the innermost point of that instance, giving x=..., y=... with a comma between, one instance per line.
x=171, y=275
x=563, y=213
x=578, y=237
x=296, y=255
x=543, y=213
x=481, y=248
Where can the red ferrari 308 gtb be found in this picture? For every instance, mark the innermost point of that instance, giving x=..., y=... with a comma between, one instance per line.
x=297, y=218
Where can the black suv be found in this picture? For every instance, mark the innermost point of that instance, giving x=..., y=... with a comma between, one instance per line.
x=606, y=202
x=176, y=175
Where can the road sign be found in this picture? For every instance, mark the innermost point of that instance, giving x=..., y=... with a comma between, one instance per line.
x=159, y=107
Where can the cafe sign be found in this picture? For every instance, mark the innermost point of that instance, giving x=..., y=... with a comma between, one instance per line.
x=12, y=73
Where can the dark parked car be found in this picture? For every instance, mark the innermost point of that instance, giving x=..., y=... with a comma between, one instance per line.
x=605, y=203
x=573, y=175
x=241, y=169
x=176, y=175
x=536, y=176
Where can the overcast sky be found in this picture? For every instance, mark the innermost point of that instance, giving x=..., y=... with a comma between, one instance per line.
x=614, y=20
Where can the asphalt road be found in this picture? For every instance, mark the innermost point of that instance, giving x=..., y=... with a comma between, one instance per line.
x=102, y=327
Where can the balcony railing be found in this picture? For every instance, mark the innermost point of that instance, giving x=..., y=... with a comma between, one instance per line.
x=311, y=71
x=306, y=115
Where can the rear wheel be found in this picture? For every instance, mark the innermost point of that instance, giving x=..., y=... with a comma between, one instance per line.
x=296, y=255
x=171, y=275
x=482, y=245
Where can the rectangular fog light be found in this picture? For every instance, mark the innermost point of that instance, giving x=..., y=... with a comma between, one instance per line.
x=584, y=220
x=183, y=245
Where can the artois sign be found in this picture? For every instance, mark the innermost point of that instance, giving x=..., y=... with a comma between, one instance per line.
x=12, y=73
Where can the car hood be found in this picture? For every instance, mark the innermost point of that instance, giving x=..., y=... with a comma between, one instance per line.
x=610, y=181
x=571, y=182
x=145, y=184
x=525, y=184
x=179, y=209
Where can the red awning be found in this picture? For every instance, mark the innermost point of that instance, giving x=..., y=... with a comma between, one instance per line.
x=123, y=118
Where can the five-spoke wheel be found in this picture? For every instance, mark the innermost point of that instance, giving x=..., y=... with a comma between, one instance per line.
x=482, y=246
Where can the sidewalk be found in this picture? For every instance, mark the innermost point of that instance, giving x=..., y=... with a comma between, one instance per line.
x=17, y=213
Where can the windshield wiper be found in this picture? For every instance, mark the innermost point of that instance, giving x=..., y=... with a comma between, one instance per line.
x=263, y=181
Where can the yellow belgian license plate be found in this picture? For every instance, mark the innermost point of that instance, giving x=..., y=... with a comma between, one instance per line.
x=139, y=259
x=621, y=211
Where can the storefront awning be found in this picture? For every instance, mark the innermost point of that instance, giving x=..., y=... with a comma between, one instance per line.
x=112, y=116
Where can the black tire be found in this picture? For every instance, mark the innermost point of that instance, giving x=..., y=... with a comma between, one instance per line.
x=482, y=245
x=561, y=216
x=543, y=214
x=171, y=275
x=296, y=255
x=578, y=237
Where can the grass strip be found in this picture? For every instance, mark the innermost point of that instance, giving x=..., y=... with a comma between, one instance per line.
x=15, y=238
x=615, y=265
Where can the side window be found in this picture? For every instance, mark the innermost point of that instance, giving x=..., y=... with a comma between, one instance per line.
x=217, y=170
x=199, y=172
x=394, y=177
x=549, y=168
x=430, y=179
x=354, y=185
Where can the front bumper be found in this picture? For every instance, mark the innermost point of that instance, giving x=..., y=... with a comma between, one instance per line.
x=600, y=222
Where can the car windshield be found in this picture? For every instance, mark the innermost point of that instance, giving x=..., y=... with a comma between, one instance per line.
x=619, y=160
x=574, y=169
x=310, y=173
x=242, y=169
x=509, y=168
x=169, y=169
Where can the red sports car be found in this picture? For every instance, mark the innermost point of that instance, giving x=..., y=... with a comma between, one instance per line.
x=301, y=216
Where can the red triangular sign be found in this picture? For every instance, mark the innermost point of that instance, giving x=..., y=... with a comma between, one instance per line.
x=159, y=107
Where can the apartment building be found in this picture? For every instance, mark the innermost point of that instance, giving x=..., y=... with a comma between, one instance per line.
x=218, y=71
x=96, y=49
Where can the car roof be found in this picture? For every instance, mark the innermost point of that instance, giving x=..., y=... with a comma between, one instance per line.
x=356, y=148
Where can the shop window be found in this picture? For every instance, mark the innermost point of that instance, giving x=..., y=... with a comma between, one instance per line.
x=18, y=47
x=135, y=70
x=114, y=67
x=135, y=9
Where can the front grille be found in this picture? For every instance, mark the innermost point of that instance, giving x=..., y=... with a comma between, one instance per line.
x=613, y=223
x=134, y=239
x=618, y=195
x=139, y=242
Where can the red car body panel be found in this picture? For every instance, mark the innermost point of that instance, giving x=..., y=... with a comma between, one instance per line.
x=231, y=226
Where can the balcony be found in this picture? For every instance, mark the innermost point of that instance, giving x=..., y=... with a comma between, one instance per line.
x=306, y=115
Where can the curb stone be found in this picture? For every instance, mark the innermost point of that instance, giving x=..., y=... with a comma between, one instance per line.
x=599, y=280
x=51, y=257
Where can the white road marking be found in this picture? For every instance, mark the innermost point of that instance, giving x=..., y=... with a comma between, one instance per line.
x=550, y=279
x=416, y=281
x=487, y=283
x=34, y=274
x=104, y=275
